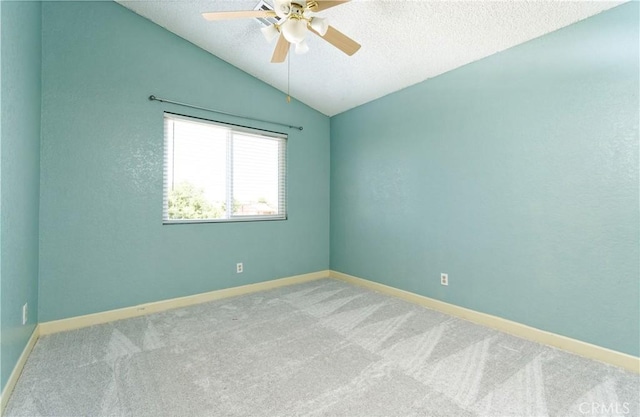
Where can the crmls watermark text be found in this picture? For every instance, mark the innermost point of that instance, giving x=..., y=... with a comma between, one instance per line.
x=603, y=408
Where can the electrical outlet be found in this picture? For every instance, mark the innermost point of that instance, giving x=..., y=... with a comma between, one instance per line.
x=444, y=279
x=239, y=268
x=25, y=310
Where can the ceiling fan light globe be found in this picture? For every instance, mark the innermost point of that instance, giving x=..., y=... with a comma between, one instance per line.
x=320, y=25
x=294, y=30
x=302, y=47
x=269, y=32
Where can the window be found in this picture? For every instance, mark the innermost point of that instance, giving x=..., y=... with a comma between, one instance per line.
x=215, y=172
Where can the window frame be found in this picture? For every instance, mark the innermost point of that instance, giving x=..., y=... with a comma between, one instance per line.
x=281, y=137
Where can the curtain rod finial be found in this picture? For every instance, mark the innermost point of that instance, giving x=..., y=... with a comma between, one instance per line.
x=152, y=97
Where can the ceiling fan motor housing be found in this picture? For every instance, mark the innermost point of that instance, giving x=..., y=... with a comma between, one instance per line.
x=282, y=8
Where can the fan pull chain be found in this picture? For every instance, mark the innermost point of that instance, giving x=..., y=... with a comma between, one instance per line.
x=288, y=78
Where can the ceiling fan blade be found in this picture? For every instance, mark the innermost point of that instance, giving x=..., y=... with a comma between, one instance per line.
x=325, y=4
x=281, y=51
x=339, y=40
x=238, y=15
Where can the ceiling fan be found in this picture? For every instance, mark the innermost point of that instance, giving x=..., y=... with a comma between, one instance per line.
x=294, y=21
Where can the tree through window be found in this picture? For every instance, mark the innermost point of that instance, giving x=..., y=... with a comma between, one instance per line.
x=216, y=172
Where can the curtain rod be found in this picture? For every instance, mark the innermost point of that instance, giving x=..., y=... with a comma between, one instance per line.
x=164, y=100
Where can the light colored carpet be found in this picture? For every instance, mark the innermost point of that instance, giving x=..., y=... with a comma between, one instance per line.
x=324, y=348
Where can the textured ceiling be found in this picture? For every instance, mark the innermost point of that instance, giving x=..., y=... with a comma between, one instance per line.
x=403, y=42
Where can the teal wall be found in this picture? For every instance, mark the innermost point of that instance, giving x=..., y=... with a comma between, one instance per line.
x=517, y=175
x=19, y=170
x=103, y=245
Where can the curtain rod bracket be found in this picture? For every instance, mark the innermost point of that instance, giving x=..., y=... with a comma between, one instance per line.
x=163, y=100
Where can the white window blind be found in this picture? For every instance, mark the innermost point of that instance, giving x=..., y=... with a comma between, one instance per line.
x=214, y=172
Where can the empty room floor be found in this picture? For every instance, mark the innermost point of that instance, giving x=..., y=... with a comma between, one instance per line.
x=323, y=348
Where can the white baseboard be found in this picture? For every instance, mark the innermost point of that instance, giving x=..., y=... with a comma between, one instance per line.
x=578, y=347
x=17, y=370
x=588, y=350
x=72, y=323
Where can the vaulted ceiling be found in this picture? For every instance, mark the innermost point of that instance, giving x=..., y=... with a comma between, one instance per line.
x=403, y=42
